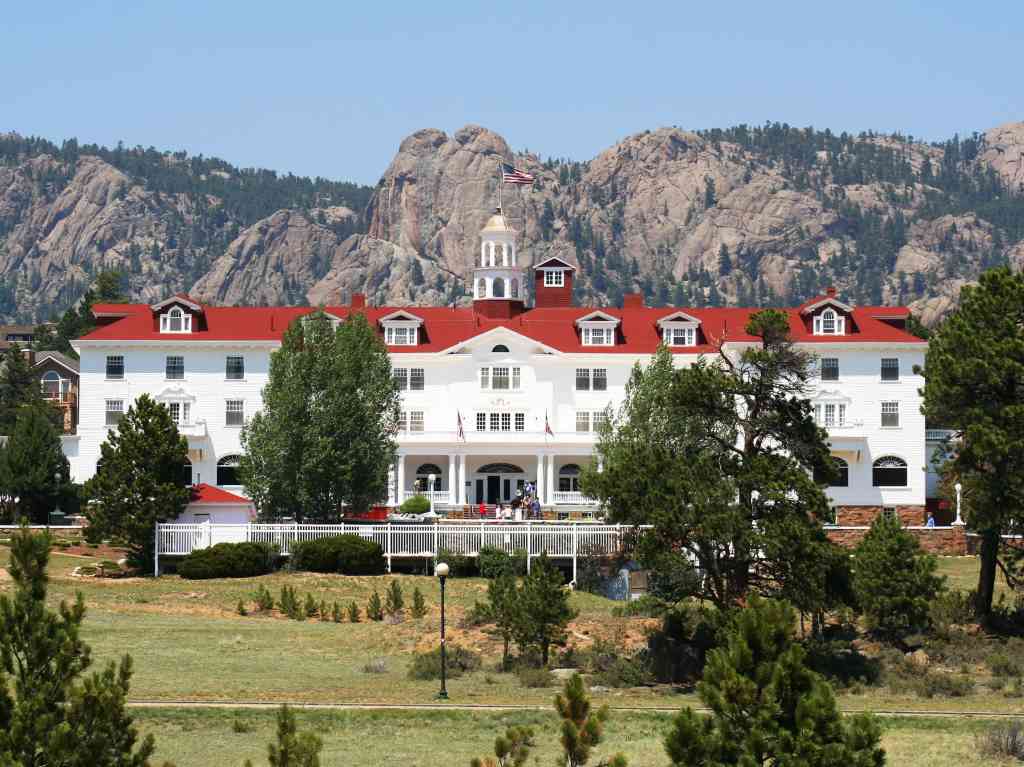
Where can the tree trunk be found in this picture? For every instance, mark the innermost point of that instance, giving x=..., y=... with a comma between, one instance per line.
x=987, y=573
x=544, y=654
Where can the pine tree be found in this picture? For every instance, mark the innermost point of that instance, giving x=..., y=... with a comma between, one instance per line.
x=503, y=599
x=510, y=750
x=724, y=262
x=19, y=386
x=353, y=612
x=336, y=613
x=582, y=728
x=138, y=479
x=33, y=467
x=374, y=608
x=394, y=600
x=49, y=713
x=767, y=707
x=544, y=610
x=419, y=604
x=893, y=580
x=293, y=748
x=710, y=198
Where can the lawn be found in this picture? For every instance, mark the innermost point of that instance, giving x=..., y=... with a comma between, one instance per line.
x=189, y=643
x=199, y=738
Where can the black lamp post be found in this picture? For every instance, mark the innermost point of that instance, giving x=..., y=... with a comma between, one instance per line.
x=442, y=574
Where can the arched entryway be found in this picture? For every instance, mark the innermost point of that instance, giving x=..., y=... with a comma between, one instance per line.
x=498, y=483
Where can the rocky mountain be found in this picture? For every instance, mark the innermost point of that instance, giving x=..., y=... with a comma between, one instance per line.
x=748, y=215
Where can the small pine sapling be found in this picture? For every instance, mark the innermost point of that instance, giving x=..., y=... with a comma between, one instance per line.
x=264, y=599
x=325, y=611
x=374, y=608
x=510, y=750
x=310, y=607
x=353, y=613
x=336, y=613
x=394, y=600
x=582, y=728
x=241, y=608
x=419, y=604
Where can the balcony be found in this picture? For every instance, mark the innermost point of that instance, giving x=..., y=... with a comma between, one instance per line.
x=532, y=436
x=573, y=498
x=193, y=429
x=67, y=403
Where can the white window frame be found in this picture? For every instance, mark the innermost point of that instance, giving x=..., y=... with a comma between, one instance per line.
x=554, y=278
x=679, y=334
x=181, y=412
x=113, y=406
x=240, y=410
x=417, y=376
x=598, y=335
x=889, y=408
x=176, y=314
x=582, y=421
x=417, y=422
x=837, y=321
x=511, y=375
x=401, y=378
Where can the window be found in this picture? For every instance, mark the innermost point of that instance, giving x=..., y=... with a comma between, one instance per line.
x=175, y=368
x=582, y=379
x=829, y=414
x=889, y=512
x=582, y=420
x=179, y=412
x=481, y=421
x=234, y=412
x=115, y=411
x=485, y=378
x=829, y=323
x=186, y=473
x=829, y=368
x=416, y=379
x=403, y=421
x=842, y=471
x=889, y=471
x=598, y=336
x=51, y=385
x=890, y=369
x=401, y=378
x=501, y=378
x=520, y=421
x=115, y=367
x=514, y=288
x=481, y=288
x=600, y=419
x=495, y=421
x=415, y=420
x=506, y=422
x=500, y=349
x=234, y=368
x=587, y=379
x=498, y=288
x=679, y=336
x=399, y=336
x=600, y=379
x=555, y=279
x=227, y=471
x=176, y=321
x=890, y=414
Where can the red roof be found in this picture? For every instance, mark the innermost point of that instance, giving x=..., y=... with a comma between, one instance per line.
x=203, y=493
x=445, y=327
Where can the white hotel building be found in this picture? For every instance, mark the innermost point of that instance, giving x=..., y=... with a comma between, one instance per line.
x=507, y=371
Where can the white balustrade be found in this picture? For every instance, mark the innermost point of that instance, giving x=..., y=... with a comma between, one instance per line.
x=438, y=496
x=573, y=497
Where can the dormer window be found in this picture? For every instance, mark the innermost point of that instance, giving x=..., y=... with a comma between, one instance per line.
x=829, y=323
x=597, y=329
x=176, y=320
x=401, y=329
x=679, y=329
x=598, y=336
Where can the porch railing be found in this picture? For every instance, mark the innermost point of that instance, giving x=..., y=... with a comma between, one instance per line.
x=438, y=496
x=573, y=497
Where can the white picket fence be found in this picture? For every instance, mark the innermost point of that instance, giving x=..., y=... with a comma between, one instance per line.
x=400, y=541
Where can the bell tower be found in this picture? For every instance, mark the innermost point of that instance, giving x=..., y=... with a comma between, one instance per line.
x=498, y=282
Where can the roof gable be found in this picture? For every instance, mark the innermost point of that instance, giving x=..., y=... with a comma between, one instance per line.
x=598, y=316
x=554, y=262
x=401, y=316
x=496, y=334
x=677, y=316
x=182, y=299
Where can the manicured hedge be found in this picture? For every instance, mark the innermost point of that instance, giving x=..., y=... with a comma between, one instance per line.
x=346, y=554
x=228, y=560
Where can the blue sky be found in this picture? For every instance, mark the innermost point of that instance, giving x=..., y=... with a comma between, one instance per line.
x=331, y=88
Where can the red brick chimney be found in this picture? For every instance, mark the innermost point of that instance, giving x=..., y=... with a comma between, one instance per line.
x=358, y=300
x=830, y=292
x=633, y=301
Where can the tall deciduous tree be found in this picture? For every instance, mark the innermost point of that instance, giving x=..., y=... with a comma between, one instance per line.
x=689, y=448
x=326, y=434
x=767, y=707
x=544, y=609
x=49, y=713
x=974, y=383
x=19, y=386
x=33, y=467
x=138, y=480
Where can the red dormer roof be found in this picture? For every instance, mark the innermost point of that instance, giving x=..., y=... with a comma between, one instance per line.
x=203, y=493
x=183, y=299
x=445, y=328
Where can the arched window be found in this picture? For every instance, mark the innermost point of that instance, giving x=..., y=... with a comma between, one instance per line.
x=500, y=468
x=514, y=288
x=481, y=288
x=499, y=254
x=227, y=471
x=186, y=473
x=175, y=318
x=889, y=471
x=500, y=349
x=51, y=384
x=498, y=288
x=842, y=471
x=569, y=478
x=423, y=477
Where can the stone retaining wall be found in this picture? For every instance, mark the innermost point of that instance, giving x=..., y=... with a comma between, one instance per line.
x=857, y=516
x=947, y=541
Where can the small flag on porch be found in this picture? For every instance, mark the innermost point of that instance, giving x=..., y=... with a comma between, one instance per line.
x=512, y=175
x=462, y=432
x=547, y=425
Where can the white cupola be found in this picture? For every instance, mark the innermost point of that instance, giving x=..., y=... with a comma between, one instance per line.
x=498, y=282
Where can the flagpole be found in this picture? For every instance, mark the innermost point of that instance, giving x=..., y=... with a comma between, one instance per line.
x=500, y=184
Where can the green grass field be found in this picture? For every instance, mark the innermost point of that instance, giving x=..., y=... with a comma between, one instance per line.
x=189, y=644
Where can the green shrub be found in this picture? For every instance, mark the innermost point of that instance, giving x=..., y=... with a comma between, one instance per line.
x=374, y=608
x=353, y=612
x=1004, y=740
x=419, y=604
x=529, y=676
x=493, y=561
x=951, y=608
x=418, y=504
x=934, y=684
x=324, y=611
x=394, y=600
x=463, y=567
x=427, y=665
x=228, y=560
x=1002, y=665
x=264, y=599
x=336, y=613
x=646, y=606
x=347, y=554
x=289, y=604
x=893, y=580
x=310, y=606
x=626, y=671
x=239, y=726
x=241, y=608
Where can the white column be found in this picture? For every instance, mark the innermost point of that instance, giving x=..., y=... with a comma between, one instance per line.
x=540, y=478
x=392, y=486
x=400, y=491
x=453, y=477
x=461, y=479
x=600, y=464
x=550, y=494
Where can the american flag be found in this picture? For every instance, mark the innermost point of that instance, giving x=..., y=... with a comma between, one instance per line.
x=512, y=175
x=462, y=433
x=547, y=426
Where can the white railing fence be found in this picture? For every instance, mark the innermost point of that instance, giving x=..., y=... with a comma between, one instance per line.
x=426, y=541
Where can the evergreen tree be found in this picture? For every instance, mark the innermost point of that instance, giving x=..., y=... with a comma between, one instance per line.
x=710, y=198
x=503, y=605
x=49, y=713
x=893, y=580
x=326, y=433
x=419, y=604
x=582, y=727
x=973, y=375
x=374, y=607
x=293, y=748
x=724, y=262
x=510, y=750
x=33, y=467
x=688, y=449
x=767, y=707
x=19, y=386
x=138, y=480
x=544, y=609
x=394, y=600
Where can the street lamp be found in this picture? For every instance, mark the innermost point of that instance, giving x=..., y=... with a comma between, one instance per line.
x=442, y=573
x=56, y=508
x=958, y=487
